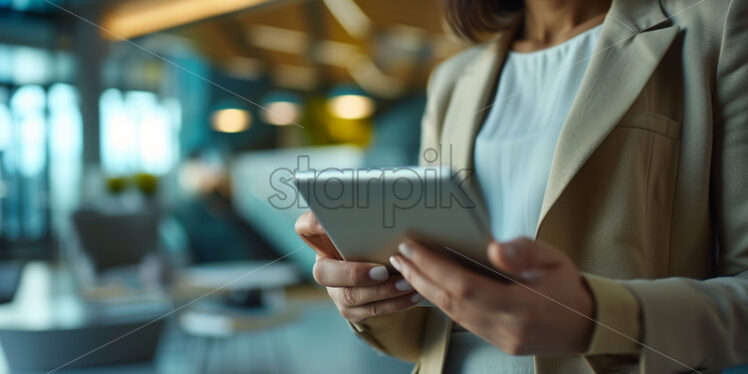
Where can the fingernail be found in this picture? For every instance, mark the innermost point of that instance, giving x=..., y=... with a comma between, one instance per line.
x=404, y=250
x=403, y=285
x=379, y=273
x=395, y=263
x=531, y=275
x=416, y=298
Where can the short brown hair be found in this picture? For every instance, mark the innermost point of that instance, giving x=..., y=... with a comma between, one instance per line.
x=472, y=19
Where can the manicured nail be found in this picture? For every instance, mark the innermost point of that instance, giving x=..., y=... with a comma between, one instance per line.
x=531, y=275
x=416, y=298
x=403, y=285
x=379, y=273
x=395, y=263
x=404, y=250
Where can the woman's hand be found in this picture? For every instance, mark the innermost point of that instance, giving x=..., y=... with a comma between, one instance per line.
x=359, y=290
x=547, y=309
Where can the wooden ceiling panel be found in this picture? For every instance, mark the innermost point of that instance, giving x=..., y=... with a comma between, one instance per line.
x=300, y=25
x=291, y=15
x=331, y=28
x=424, y=14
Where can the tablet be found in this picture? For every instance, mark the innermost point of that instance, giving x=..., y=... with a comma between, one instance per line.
x=368, y=212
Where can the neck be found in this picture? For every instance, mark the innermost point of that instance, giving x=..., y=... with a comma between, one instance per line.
x=547, y=20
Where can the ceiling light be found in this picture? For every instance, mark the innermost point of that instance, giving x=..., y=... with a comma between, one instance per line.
x=281, y=113
x=281, y=108
x=351, y=106
x=231, y=120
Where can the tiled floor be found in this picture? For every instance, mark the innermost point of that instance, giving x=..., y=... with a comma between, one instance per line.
x=319, y=341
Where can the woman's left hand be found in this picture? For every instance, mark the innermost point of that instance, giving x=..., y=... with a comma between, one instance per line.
x=546, y=309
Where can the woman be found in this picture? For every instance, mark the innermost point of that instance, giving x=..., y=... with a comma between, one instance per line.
x=612, y=139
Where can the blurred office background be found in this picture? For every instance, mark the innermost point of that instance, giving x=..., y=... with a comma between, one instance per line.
x=137, y=143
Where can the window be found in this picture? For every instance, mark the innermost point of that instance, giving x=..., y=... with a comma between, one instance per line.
x=24, y=154
x=40, y=145
x=139, y=133
x=65, y=153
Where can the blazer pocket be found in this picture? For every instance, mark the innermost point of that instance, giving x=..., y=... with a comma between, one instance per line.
x=653, y=122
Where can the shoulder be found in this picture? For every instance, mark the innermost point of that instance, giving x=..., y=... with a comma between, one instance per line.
x=455, y=64
x=707, y=14
x=451, y=69
x=712, y=30
x=720, y=25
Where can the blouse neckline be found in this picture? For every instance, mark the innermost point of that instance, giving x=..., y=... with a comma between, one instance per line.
x=574, y=40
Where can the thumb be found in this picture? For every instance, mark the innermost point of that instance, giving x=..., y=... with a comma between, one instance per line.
x=524, y=258
x=309, y=229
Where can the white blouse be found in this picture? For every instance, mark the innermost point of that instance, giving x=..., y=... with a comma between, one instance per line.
x=513, y=154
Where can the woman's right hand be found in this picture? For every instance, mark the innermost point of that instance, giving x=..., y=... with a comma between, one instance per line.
x=360, y=290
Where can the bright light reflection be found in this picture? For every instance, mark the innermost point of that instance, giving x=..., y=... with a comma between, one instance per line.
x=281, y=113
x=28, y=105
x=351, y=106
x=154, y=142
x=231, y=120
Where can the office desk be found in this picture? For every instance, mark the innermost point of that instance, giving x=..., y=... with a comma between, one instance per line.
x=316, y=340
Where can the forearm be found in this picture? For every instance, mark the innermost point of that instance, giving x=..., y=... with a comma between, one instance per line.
x=672, y=324
x=699, y=323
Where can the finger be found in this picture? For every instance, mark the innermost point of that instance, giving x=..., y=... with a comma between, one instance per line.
x=524, y=258
x=308, y=228
x=357, y=296
x=307, y=224
x=450, y=292
x=458, y=280
x=421, y=283
x=336, y=273
x=379, y=308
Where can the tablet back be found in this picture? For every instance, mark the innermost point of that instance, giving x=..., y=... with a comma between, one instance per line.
x=368, y=212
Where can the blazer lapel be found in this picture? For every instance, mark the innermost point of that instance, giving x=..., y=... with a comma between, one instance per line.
x=627, y=53
x=470, y=102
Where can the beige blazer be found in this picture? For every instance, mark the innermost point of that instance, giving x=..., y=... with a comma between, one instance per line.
x=648, y=190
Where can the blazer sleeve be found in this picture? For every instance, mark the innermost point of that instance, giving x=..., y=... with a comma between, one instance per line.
x=399, y=334
x=689, y=324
